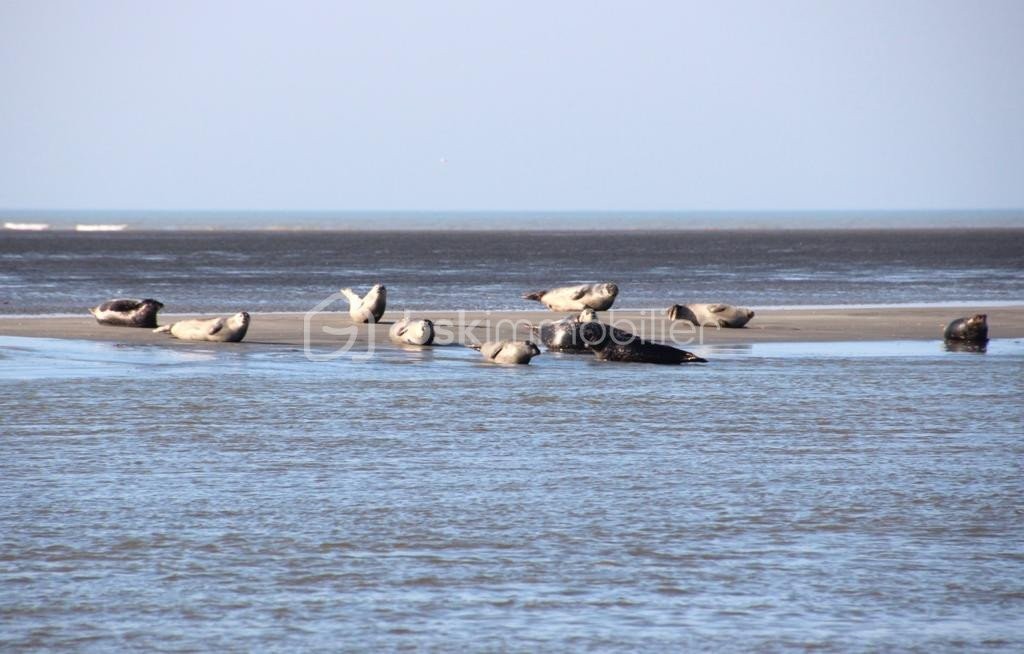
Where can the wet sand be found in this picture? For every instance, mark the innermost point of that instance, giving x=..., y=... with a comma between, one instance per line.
x=769, y=325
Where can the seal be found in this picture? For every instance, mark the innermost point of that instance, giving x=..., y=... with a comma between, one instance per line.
x=968, y=330
x=565, y=335
x=508, y=351
x=598, y=297
x=722, y=315
x=612, y=344
x=412, y=332
x=369, y=308
x=221, y=330
x=128, y=313
x=972, y=330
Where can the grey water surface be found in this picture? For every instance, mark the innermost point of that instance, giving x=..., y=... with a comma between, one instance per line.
x=224, y=272
x=838, y=497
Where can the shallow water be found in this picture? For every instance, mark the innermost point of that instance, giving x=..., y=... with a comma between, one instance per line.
x=832, y=496
x=224, y=272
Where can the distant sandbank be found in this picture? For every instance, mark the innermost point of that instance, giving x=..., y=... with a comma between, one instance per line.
x=328, y=329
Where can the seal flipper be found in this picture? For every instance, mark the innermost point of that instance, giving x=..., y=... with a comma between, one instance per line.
x=216, y=327
x=536, y=295
x=163, y=329
x=353, y=299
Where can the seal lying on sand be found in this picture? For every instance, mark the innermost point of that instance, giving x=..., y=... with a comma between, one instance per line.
x=412, y=332
x=722, y=315
x=369, y=308
x=598, y=297
x=611, y=344
x=221, y=330
x=128, y=313
x=508, y=351
x=973, y=329
x=565, y=335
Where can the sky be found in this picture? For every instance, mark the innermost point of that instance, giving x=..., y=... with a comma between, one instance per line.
x=439, y=105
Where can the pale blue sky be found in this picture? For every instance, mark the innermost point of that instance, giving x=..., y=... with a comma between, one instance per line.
x=892, y=104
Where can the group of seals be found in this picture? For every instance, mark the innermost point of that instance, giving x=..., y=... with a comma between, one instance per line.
x=586, y=334
x=582, y=333
x=142, y=313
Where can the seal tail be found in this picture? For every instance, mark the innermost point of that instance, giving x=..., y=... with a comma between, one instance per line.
x=690, y=357
x=163, y=329
x=536, y=295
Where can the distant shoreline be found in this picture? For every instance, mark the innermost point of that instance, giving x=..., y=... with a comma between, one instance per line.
x=52, y=230
x=517, y=221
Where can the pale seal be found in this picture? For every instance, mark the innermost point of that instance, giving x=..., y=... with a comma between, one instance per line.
x=972, y=330
x=612, y=344
x=508, y=351
x=721, y=315
x=598, y=297
x=222, y=330
x=369, y=308
x=128, y=313
x=412, y=332
x=565, y=335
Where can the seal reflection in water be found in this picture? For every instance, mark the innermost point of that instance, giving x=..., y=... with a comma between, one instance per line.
x=412, y=332
x=369, y=308
x=598, y=297
x=128, y=313
x=220, y=330
x=722, y=315
x=566, y=335
x=507, y=351
x=611, y=344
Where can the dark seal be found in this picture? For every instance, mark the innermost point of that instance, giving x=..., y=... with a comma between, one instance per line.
x=967, y=334
x=612, y=344
x=971, y=330
x=565, y=335
x=128, y=313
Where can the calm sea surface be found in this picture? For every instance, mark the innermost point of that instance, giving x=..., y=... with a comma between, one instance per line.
x=840, y=497
x=189, y=497
x=65, y=272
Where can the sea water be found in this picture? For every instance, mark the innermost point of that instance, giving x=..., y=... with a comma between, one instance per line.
x=839, y=496
x=225, y=272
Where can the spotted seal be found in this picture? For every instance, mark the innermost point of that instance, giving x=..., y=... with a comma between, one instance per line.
x=508, y=351
x=368, y=308
x=722, y=315
x=412, y=332
x=128, y=313
x=221, y=330
x=598, y=297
